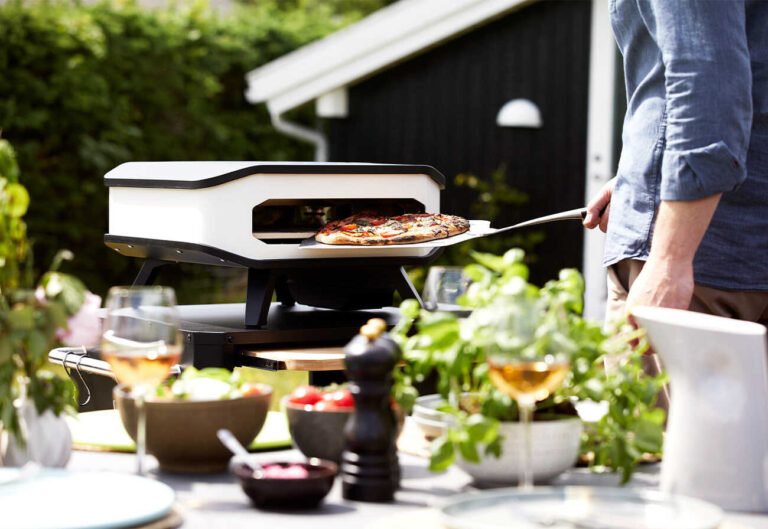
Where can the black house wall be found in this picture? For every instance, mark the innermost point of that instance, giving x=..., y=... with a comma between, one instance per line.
x=439, y=108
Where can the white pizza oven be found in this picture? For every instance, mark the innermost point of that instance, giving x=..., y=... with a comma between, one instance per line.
x=240, y=212
x=255, y=215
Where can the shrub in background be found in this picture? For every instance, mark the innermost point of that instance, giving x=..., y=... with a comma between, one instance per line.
x=85, y=88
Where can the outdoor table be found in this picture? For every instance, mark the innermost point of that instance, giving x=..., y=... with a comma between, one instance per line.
x=216, y=500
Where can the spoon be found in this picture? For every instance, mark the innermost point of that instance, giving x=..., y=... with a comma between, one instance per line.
x=234, y=446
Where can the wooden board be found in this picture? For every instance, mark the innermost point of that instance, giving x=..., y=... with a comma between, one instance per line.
x=315, y=359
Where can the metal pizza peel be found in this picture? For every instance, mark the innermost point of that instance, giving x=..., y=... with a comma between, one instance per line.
x=477, y=229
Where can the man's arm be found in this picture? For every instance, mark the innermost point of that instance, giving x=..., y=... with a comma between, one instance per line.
x=708, y=84
x=667, y=277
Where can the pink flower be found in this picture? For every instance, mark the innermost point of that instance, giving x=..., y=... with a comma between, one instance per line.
x=84, y=328
x=40, y=296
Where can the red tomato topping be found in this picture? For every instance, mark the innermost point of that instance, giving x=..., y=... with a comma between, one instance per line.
x=378, y=222
x=305, y=395
x=388, y=234
x=339, y=398
x=349, y=227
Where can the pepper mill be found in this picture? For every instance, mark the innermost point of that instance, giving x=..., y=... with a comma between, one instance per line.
x=369, y=466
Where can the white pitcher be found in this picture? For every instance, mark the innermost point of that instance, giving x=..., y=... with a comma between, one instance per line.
x=716, y=445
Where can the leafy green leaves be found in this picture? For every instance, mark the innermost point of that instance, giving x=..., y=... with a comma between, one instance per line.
x=514, y=317
x=29, y=317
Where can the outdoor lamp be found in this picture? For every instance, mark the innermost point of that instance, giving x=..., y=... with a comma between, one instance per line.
x=519, y=113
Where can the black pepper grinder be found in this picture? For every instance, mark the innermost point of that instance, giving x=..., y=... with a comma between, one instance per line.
x=369, y=466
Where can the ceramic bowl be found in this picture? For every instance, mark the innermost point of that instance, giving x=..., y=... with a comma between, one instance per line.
x=288, y=493
x=554, y=449
x=317, y=434
x=181, y=434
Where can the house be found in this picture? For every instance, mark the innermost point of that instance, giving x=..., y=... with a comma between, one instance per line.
x=425, y=81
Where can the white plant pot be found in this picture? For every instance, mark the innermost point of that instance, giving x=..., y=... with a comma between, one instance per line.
x=49, y=441
x=554, y=449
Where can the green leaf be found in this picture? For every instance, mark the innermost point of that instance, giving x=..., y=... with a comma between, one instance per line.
x=468, y=451
x=477, y=273
x=514, y=256
x=491, y=261
x=21, y=318
x=441, y=454
x=37, y=347
x=649, y=436
x=410, y=308
x=18, y=200
x=482, y=429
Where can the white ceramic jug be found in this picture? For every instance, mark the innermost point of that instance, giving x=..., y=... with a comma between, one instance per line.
x=716, y=445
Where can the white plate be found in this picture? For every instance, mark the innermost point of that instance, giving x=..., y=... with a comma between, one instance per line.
x=62, y=499
x=578, y=508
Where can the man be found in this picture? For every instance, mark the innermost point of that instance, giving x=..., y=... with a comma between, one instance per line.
x=687, y=214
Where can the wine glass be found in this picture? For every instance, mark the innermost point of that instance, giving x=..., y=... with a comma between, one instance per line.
x=443, y=286
x=141, y=342
x=527, y=380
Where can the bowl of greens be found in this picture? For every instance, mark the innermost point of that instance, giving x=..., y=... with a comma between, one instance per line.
x=183, y=416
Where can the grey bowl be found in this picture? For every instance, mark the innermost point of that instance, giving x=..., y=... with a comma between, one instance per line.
x=317, y=433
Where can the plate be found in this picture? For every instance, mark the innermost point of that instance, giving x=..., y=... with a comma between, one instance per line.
x=578, y=508
x=63, y=499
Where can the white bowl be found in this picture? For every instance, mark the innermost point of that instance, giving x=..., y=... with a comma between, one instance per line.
x=554, y=449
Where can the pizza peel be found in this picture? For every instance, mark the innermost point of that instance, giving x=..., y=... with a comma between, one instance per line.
x=477, y=228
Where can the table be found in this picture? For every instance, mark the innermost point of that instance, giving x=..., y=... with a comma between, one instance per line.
x=216, y=500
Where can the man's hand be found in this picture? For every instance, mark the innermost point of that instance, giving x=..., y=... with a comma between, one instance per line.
x=667, y=277
x=599, y=207
x=662, y=283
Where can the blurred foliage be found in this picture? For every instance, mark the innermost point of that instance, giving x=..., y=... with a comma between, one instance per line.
x=31, y=312
x=489, y=198
x=514, y=320
x=87, y=87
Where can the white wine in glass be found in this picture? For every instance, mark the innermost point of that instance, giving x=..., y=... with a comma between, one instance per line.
x=141, y=342
x=527, y=380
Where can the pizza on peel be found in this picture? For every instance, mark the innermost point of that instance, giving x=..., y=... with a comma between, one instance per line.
x=366, y=229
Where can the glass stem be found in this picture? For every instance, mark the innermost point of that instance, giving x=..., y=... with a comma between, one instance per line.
x=525, y=477
x=141, y=432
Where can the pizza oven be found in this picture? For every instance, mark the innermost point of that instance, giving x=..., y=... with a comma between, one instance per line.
x=255, y=215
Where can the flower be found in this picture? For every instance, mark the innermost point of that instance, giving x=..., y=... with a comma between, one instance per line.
x=84, y=328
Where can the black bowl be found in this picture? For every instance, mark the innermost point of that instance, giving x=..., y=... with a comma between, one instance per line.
x=318, y=434
x=288, y=493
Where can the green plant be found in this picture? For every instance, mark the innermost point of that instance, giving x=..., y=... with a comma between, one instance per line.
x=511, y=314
x=30, y=314
x=87, y=87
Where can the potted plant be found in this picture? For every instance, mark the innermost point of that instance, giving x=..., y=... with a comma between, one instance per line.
x=510, y=313
x=33, y=318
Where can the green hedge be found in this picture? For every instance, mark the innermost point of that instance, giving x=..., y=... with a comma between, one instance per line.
x=85, y=88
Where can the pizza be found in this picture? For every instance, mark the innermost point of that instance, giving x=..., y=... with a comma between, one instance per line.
x=367, y=229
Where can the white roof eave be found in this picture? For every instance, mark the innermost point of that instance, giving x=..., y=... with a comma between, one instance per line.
x=384, y=38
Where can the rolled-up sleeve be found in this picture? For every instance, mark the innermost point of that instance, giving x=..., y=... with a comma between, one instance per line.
x=708, y=83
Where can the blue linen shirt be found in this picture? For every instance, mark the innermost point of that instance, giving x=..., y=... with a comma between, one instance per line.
x=696, y=125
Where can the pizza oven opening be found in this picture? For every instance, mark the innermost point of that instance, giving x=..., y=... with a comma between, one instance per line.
x=289, y=221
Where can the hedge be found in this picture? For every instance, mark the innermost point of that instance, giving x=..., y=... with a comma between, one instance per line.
x=85, y=88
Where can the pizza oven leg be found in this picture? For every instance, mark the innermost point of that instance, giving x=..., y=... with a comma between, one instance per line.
x=282, y=293
x=261, y=285
x=148, y=272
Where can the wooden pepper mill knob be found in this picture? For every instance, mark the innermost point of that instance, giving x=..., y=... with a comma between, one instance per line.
x=369, y=466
